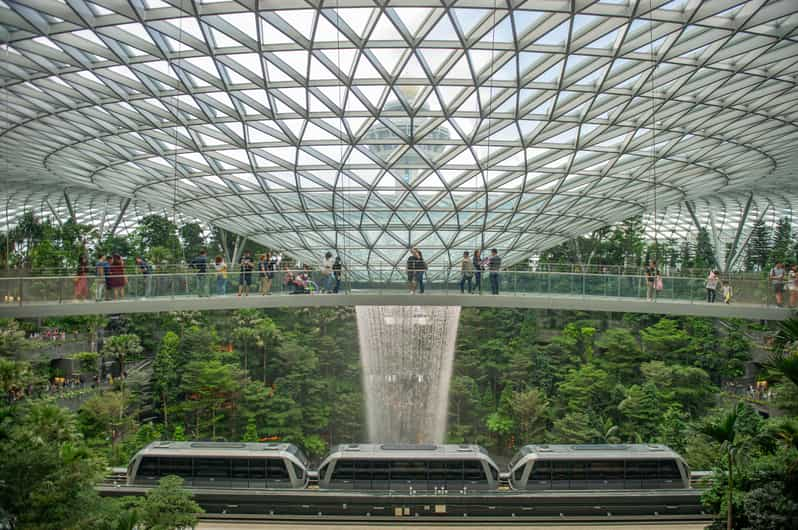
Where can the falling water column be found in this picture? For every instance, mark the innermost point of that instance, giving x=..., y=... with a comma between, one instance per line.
x=407, y=354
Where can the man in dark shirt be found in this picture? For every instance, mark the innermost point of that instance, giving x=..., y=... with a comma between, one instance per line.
x=145, y=270
x=200, y=265
x=494, y=266
x=246, y=264
x=411, y=271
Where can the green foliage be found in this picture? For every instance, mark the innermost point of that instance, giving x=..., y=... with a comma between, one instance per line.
x=156, y=231
x=574, y=428
x=640, y=410
x=759, y=247
x=665, y=341
x=15, y=375
x=120, y=347
x=47, y=473
x=169, y=507
x=12, y=338
x=783, y=249
x=704, y=254
x=193, y=239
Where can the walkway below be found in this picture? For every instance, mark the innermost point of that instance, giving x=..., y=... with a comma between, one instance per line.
x=398, y=297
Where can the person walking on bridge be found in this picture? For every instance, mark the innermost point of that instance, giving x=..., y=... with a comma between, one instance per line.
x=652, y=273
x=712, y=286
x=200, y=265
x=467, y=273
x=411, y=271
x=327, y=273
x=245, y=264
x=777, y=274
x=338, y=268
x=421, y=269
x=494, y=266
x=478, y=268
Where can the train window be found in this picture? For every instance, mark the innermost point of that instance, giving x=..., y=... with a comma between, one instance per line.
x=454, y=471
x=668, y=470
x=176, y=466
x=408, y=470
x=257, y=469
x=212, y=467
x=473, y=470
x=240, y=468
x=437, y=471
x=343, y=470
x=606, y=470
x=579, y=470
x=275, y=469
x=561, y=470
x=641, y=470
x=541, y=471
x=380, y=469
x=148, y=467
x=519, y=472
x=363, y=470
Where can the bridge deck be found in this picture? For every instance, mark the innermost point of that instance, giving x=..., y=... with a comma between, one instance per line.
x=396, y=297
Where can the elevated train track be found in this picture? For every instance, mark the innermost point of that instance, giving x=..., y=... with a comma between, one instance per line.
x=343, y=506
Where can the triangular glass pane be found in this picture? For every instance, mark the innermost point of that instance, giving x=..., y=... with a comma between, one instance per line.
x=467, y=19
x=413, y=17
x=385, y=30
x=555, y=37
x=300, y=19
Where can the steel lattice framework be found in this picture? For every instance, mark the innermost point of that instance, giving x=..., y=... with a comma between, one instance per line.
x=369, y=125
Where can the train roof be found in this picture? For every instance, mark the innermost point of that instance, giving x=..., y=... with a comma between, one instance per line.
x=217, y=449
x=388, y=450
x=598, y=451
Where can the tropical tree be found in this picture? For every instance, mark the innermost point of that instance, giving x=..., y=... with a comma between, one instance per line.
x=725, y=431
x=12, y=338
x=120, y=347
x=164, y=373
x=529, y=410
x=169, y=506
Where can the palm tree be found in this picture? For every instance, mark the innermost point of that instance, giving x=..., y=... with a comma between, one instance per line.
x=785, y=363
x=724, y=431
x=788, y=334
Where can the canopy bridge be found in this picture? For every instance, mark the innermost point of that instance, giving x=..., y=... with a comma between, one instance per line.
x=30, y=297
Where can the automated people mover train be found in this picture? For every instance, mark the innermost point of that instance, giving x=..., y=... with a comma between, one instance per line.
x=442, y=469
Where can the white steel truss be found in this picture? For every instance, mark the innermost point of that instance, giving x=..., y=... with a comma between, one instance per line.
x=367, y=126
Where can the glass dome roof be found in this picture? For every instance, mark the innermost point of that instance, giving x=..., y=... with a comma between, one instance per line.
x=367, y=127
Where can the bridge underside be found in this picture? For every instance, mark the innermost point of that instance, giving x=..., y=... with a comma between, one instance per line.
x=384, y=298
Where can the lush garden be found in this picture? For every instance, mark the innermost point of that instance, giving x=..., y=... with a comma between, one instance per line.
x=520, y=376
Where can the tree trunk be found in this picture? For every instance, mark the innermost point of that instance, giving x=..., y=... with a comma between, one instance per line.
x=165, y=412
x=729, y=517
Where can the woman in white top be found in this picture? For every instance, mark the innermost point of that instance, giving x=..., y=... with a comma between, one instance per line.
x=712, y=286
x=221, y=275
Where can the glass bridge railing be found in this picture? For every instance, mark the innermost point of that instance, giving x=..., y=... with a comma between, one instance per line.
x=73, y=289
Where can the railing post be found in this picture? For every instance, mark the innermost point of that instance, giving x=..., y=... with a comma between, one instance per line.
x=19, y=292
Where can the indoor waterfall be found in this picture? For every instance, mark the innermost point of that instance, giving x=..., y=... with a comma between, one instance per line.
x=407, y=354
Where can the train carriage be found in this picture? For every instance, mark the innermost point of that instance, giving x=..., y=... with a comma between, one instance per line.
x=221, y=465
x=409, y=467
x=598, y=467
